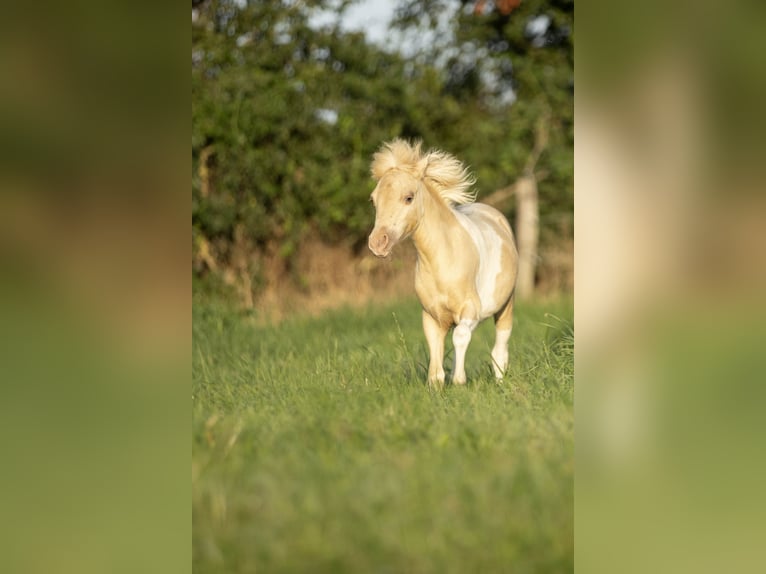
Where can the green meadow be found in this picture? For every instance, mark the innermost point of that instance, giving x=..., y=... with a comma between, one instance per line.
x=318, y=447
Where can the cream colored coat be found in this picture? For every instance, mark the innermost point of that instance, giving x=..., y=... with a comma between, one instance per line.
x=467, y=259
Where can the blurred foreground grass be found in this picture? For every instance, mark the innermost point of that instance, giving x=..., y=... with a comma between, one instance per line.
x=94, y=442
x=318, y=447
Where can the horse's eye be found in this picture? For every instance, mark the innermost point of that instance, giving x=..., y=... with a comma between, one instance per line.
x=408, y=199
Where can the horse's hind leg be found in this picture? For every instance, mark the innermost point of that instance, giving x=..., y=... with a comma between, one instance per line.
x=503, y=328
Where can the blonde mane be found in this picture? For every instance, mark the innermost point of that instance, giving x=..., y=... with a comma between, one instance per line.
x=440, y=171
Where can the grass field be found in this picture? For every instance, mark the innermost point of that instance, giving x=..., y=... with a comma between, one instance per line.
x=317, y=446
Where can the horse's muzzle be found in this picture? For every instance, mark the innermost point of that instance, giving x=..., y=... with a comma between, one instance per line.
x=380, y=242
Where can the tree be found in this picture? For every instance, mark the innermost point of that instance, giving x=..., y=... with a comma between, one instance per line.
x=285, y=118
x=510, y=64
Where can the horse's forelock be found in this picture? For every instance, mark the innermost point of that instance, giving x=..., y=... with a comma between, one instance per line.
x=399, y=154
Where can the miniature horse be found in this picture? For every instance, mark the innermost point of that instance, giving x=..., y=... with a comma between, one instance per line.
x=467, y=258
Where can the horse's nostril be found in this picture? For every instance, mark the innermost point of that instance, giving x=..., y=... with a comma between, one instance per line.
x=379, y=242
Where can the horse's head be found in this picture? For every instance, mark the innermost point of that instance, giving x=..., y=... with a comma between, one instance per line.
x=398, y=201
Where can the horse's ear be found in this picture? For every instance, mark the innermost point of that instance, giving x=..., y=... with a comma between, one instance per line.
x=421, y=167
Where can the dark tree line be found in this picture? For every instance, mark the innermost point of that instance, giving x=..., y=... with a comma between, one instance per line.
x=285, y=116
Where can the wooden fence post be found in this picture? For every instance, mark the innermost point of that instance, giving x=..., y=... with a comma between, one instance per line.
x=527, y=234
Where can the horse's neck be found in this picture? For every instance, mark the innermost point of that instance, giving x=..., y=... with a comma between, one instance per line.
x=438, y=229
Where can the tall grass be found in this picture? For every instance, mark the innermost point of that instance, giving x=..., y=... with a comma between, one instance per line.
x=318, y=447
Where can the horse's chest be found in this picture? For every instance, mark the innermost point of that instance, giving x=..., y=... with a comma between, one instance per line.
x=442, y=297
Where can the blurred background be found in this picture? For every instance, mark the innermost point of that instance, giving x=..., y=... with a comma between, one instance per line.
x=288, y=102
x=291, y=99
x=671, y=273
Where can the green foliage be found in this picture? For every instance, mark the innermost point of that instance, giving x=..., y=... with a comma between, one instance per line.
x=538, y=69
x=259, y=87
x=285, y=117
x=317, y=446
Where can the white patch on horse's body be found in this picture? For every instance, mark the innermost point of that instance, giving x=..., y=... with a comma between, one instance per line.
x=472, y=217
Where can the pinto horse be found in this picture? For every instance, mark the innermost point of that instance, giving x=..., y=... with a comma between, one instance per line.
x=467, y=258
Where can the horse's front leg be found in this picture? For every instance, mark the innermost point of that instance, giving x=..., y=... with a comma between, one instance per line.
x=461, y=337
x=435, y=334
